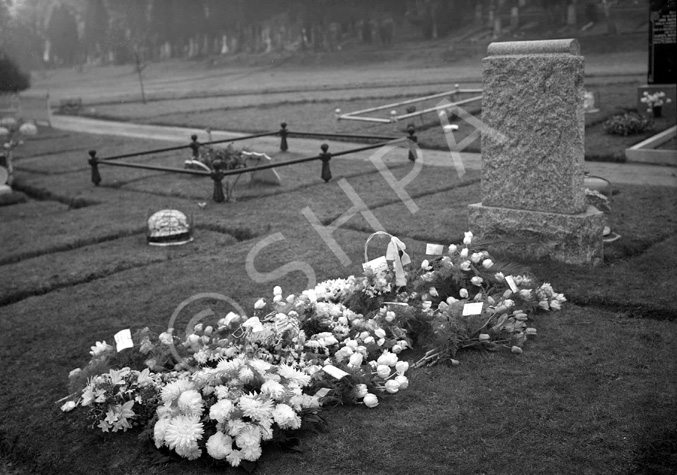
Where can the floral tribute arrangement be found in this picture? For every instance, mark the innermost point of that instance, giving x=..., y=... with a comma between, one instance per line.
x=654, y=101
x=227, y=388
x=12, y=132
x=223, y=159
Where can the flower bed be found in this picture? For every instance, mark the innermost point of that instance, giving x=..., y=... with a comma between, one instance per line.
x=229, y=387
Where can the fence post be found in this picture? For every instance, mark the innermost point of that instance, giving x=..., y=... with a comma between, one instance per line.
x=94, y=163
x=195, y=146
x=283, y=137
x=325, y=157
x=411, y=130
x=218, y=195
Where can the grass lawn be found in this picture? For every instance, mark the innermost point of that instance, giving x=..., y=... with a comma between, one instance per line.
x=595, y=392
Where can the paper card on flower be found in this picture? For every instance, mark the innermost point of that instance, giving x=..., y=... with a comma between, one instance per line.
x=434, y=249
x=376, y=265
x=334, y=372
x=472, y=309
x=123, y=340
x=322, y=392
x=511, y=283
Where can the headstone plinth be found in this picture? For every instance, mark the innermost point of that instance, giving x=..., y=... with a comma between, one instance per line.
x=533, y=154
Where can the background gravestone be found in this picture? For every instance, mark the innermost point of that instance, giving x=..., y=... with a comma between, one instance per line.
x=533, y=154
x=662, y=70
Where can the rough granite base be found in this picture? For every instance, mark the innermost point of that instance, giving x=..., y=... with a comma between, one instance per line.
x=570, y=238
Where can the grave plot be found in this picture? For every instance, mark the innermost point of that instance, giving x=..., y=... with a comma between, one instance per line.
x=447, y=102
x=224, y=166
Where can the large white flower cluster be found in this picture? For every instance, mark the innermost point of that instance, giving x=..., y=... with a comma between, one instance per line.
x=243, y=398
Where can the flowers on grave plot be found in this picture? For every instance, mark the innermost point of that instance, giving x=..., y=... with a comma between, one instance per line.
x=654, y=100
x=213, y=159
x=230, y=387
x=228, y=158
x=12, y=133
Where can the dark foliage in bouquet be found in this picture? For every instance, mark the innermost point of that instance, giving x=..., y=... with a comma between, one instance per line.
x=228, y=158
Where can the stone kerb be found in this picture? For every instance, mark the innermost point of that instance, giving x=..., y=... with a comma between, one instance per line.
x=533, y=159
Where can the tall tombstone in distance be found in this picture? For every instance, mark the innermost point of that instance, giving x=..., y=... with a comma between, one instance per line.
x=662, y=67
x=533, y=154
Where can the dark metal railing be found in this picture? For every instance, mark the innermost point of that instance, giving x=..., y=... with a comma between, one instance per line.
x=218, y=175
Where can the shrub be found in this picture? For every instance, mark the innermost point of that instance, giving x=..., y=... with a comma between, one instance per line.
x=628, y=123
x=12, y=79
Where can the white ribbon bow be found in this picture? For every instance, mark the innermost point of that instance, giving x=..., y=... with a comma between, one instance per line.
x=395, y=246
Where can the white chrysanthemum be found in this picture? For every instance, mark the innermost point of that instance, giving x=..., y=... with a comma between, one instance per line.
x=250, y=435
x=259, y=365
x=183, y=432
x=246, y=374
x=99, y=348
x=285, y=417
x=274, y=389
x=159, y=432
x=191, y=453
x=255, y=408
x=221, y=392
x=221, y=410
x=234, y=458
x=266, y=428
x=174, y=389
x=201, y=356
x=219, y=445
x=235, y=426
x=304, y=401
x=190, y=402
x=291, y=374
x=251, y=452
x=229, y=366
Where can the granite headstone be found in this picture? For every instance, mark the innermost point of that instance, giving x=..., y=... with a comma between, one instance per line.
x=533, y=153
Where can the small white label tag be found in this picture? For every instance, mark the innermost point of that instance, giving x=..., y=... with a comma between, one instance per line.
x=434, y=249
x=123, y=340
x=376, y=265
x=334, y=371
x=472, y=309
x=322, y=392
x=511, y=283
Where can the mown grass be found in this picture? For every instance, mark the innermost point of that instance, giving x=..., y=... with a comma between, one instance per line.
x=595, y=392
